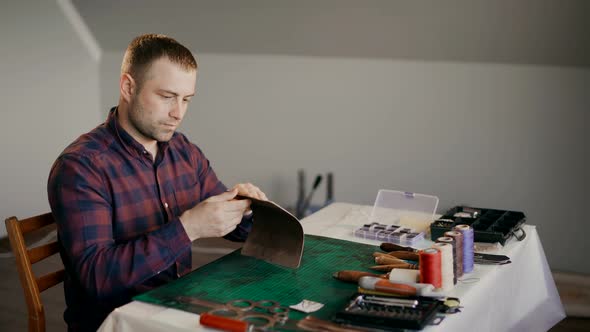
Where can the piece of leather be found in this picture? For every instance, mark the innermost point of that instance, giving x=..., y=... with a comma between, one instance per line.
x=276, y=236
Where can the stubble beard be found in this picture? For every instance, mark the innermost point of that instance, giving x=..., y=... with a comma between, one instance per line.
x=143, y=127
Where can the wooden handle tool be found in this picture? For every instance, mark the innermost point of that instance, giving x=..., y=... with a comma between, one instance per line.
x=386, y=286
x=386, y=259
x=389, y=267
x=411, y=256
x=386, y=246
x=354, y=276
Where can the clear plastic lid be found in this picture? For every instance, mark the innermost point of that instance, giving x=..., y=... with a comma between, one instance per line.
x=407, y=209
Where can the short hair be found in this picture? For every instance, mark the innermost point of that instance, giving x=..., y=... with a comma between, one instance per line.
x=145, y=49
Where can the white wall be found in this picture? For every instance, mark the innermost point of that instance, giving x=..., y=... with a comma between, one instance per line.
x=49, y=91
x=496, y=136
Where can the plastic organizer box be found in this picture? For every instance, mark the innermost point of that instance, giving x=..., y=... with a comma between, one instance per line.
x=399, y=217
x=489, y=225
x=389, y=233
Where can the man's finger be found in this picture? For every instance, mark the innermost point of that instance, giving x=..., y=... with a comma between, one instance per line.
x=233, y=213
x=226, y=196
x=245, y=189
x=230, y=229
x=233, y=218
x=236, y=205
x=250, y=190
x=257, y=193
x=260, y=195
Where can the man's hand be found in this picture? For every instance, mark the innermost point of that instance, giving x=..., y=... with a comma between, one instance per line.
x=250, y=190
x=215, y=216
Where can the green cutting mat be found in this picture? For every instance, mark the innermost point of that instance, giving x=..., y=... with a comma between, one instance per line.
x=235, y=276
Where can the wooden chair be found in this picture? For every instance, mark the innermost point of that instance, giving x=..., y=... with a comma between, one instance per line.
x=33, y=286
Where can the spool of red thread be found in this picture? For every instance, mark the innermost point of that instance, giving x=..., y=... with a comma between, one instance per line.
x=430, y=267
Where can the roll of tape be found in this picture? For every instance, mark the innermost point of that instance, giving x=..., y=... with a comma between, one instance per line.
x=404, y=275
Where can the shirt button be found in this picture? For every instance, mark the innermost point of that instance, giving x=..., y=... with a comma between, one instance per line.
x=166, y=205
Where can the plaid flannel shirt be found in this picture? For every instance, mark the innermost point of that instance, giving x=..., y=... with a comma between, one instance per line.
x=117, y=214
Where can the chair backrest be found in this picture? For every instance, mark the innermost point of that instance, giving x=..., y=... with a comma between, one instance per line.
x=25, y=258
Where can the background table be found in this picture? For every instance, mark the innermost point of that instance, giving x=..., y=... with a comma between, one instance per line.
x=520, y=296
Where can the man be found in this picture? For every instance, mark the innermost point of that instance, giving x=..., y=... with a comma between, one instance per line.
x=131, y=195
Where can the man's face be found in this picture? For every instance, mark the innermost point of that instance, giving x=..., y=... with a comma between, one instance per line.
x=157, y=109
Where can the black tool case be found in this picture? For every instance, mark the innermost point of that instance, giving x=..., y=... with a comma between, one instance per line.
x=360, y=312
x=489, y=225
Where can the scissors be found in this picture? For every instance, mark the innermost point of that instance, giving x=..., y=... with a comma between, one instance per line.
x=263, y=314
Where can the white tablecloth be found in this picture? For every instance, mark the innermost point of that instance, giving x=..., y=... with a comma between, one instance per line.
x=520, y=296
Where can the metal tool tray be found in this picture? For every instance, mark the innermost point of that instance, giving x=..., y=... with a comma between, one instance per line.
x=490, y=225
x=384, y=317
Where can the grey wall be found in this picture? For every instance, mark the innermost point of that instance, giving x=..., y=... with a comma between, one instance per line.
x=49, y=91
x=497, y=136
x=545, y=32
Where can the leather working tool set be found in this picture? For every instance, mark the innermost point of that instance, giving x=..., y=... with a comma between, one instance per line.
x=440, y=267
x=403, y=296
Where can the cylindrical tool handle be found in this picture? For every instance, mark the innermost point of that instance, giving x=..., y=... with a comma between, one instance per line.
x=386, y=246
x=223, y=323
